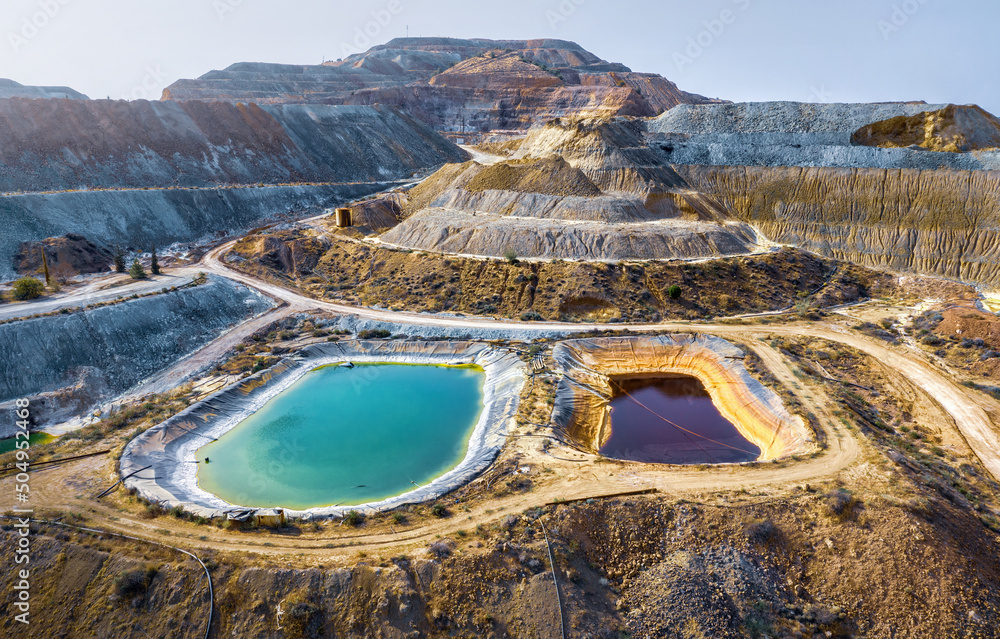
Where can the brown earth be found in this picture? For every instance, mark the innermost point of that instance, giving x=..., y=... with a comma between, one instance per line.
x=67, y=256
x=342, y=269
x=548, y=176
x=954, y=129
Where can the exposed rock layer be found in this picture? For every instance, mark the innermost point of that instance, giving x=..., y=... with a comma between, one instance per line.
x=955, y=129
x=802, y=134
x=140, y=218
x=934, y=222
x=129, y=341
x=448, y=83
x=73, y=144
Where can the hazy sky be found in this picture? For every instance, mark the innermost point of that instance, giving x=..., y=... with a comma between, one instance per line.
x=811, y=50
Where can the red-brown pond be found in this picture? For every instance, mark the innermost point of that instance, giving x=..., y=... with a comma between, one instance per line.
x=670, y=419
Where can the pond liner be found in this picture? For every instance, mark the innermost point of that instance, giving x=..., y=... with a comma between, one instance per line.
x=170, y=448
x=582, y=405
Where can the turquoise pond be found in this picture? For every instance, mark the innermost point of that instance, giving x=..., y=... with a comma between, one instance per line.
x=347, y=436
x=7, y=445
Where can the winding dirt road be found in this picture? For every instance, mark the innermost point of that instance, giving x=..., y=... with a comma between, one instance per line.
x=576, y=475
x=970, y=409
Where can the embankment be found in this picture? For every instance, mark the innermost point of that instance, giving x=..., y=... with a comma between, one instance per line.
x=943, y=222
x=139, y=218
x=180, y=437
x=582, y=412
x=112, y=348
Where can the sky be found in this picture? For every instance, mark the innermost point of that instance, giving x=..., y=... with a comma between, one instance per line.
x=740, y=50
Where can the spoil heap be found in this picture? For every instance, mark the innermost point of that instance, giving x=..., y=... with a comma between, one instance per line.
x=578, y=188
x=954, y=129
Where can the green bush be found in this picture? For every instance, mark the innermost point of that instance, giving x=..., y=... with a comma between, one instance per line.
x=354, y=519
x=510, y=255
x=136, y=270
x=439, y=510
x=674, y=292
x=27, y=288
x=133, y=583
x=374, y=333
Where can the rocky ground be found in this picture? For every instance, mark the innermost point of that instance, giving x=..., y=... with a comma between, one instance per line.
x=343, y=269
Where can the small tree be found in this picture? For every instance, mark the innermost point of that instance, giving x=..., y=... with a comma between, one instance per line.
x=45, y=266
x=510, y=255
x=119, y=260
x=136, y=270
x=154, y=264
x=27, y=288
x=674, y=292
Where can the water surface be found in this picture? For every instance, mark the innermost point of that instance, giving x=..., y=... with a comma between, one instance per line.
x=342, y=436
x=640, y=430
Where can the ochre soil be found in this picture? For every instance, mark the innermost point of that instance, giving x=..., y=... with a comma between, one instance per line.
x=344, y=269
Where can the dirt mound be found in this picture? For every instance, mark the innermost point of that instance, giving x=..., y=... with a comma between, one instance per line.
x=67, y=256
x=496, y=68
x=549, y=176
x=953, y=129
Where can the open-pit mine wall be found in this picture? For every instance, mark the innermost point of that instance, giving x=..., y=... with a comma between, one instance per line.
x=943, y=222
x=113, y=348
x=141, y=218
x=56, y=145
x=139, y=173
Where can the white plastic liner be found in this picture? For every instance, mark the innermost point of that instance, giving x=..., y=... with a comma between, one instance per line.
x=167, y=451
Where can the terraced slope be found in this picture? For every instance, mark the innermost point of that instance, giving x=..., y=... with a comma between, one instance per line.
x=136, y=173
x=802, y=134
x=70, y=144
x=576, y=189
x=11, y=89
x=453, y=84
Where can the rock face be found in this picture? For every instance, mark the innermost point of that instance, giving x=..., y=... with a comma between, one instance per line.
x=11, y=89
x=453, y=84
x=955, y=129
x=139, y=218
x=934, y=222
x=69, y=144
x=801, y=134
x=794, y=171
x=132, y=340
x=116, y=166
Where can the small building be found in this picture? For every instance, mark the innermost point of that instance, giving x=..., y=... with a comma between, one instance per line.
x=344, y=218
x=270, y=517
